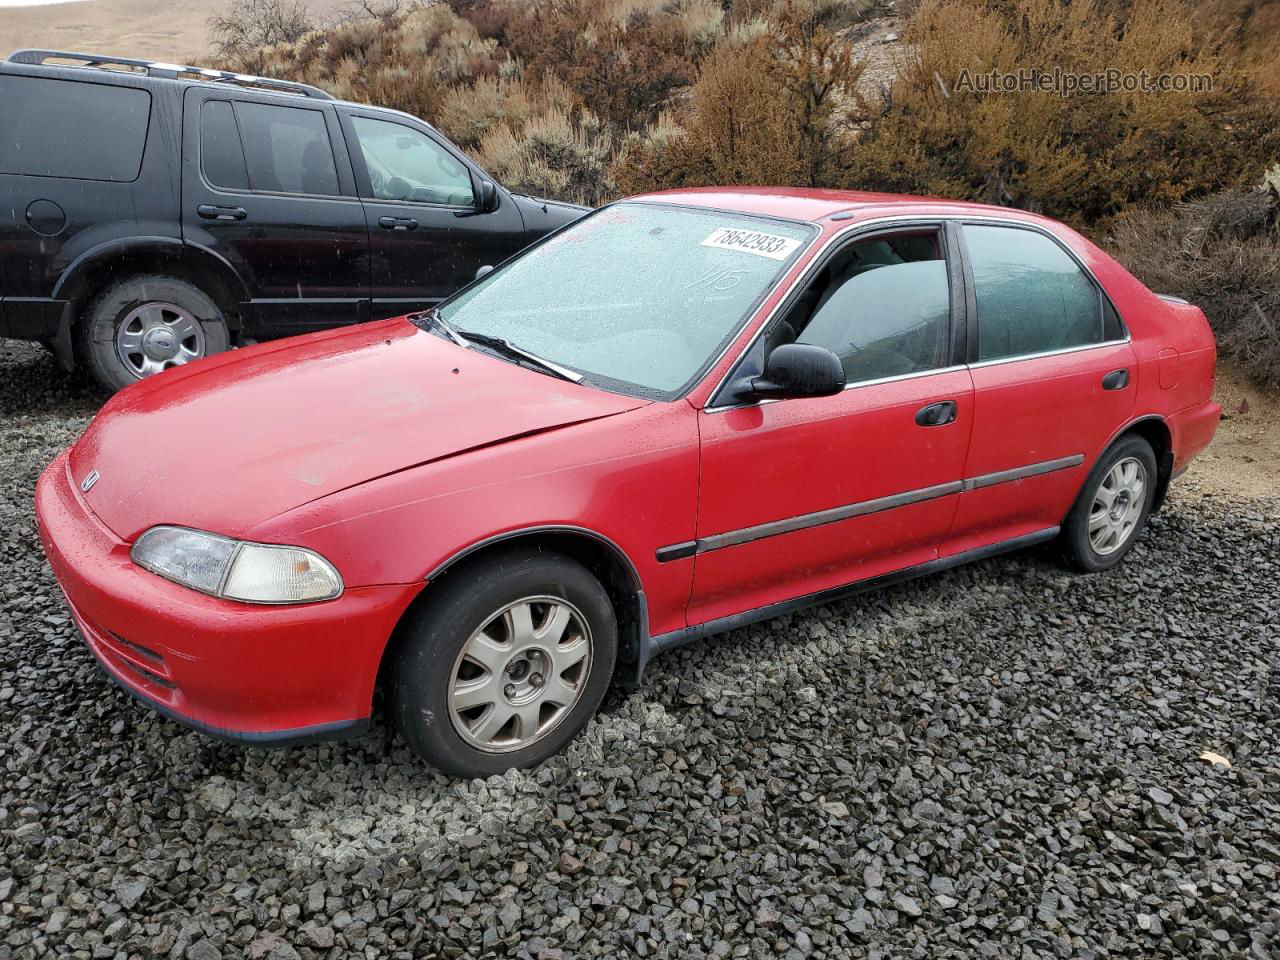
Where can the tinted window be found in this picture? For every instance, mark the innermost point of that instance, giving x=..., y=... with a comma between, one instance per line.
x=220, y=151
x=287, y=149
x=80, y=131
x=409, y=166
x=1032, y=296
x=885, y=308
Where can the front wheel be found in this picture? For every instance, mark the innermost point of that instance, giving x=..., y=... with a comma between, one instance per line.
x=1112, y=508
x=144, y=325
x=503, y=663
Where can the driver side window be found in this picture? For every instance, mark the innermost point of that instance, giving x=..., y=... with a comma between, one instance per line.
x=882, y=305
x=407, y=166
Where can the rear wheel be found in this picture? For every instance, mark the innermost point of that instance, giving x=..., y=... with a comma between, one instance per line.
x=503, y=664
x=1113, y=507
x=144, y=325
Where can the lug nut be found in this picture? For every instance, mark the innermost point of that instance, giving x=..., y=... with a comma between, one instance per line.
x=536, y=679
x=509, y=690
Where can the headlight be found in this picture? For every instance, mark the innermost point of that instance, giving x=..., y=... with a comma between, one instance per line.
x=235, y=570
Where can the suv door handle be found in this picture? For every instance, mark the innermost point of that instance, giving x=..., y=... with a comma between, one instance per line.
x=211, y=212
x=937, y=414
x=1116, y=380
x=398, y=223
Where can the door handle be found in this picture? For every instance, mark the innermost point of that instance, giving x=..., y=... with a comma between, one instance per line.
x=210, y=212
x=1116, y=380
x=937, y=414
x=398, y=223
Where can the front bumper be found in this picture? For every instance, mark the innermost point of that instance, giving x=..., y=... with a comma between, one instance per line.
x=259, y=674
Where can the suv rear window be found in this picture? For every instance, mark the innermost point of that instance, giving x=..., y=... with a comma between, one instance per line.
x=72, y=130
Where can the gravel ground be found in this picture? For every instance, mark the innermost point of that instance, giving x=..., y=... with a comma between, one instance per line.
x=1002, y=761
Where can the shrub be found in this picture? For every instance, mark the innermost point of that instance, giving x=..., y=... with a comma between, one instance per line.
x=623, y=58
x=552, y=154
x=764, y=110
x=247, y=24
x=1084, y=157
x=1222, y=253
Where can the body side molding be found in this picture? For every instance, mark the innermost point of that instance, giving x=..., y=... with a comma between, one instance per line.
x=774, y=528
x=653, y=646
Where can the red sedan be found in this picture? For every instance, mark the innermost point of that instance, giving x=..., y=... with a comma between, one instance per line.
x=686, y=412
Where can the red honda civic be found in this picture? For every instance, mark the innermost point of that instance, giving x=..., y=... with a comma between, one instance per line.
x=686, y=412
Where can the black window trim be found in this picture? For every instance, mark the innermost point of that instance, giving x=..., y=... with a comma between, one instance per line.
x=364, y=183
x=231, y=98
x=1104, y=299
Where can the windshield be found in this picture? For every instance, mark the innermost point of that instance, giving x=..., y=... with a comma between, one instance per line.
x=636, y=297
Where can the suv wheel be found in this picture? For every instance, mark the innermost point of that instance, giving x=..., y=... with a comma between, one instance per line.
x=1112, y=509
x=144, y=325
x=503, y=664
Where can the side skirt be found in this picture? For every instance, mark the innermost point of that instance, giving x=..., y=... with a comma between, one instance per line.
x=678, y=638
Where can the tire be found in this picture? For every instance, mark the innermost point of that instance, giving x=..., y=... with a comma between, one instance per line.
x=187, y=325
x=450, y=709
x=1118, y=527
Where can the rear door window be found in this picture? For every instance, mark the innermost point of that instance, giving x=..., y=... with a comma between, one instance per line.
x=287, y=149
x=72, y=130
x=1032, y=296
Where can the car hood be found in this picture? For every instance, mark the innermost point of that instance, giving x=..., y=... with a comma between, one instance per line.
x=232, y=441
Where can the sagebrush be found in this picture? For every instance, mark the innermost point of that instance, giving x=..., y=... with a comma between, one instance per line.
x=1223, y=254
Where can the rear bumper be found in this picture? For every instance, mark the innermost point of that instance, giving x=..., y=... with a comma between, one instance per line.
x=254, y=674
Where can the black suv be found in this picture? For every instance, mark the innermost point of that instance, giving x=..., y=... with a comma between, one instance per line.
x=151, y=213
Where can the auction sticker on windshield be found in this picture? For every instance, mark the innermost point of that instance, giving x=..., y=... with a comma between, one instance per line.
x=752, y=241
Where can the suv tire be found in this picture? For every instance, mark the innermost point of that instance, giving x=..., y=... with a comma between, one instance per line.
x=144, y=324
x=544, y=637
x=1113, y=506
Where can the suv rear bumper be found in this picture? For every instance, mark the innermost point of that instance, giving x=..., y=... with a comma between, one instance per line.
x=31, y=318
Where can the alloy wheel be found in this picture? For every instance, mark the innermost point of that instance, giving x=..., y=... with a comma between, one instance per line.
x=520, y=674
x=1117, y=506
x=157, y=336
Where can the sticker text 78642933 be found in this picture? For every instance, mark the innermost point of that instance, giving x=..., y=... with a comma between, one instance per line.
x=752, y=241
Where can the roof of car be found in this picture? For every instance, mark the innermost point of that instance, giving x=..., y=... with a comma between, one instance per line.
x=814, y=204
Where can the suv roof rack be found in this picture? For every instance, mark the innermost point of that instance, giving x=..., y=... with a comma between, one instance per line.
x=170, y=71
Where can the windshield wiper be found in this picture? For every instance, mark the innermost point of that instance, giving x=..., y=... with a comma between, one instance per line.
x=431, y=319
x=508, y=348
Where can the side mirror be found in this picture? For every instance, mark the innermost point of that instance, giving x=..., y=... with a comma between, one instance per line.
x=487, y=268
x=486, y=197
x=799, y=370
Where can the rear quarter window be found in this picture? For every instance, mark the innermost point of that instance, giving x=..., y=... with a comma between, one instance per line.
x=72, y=130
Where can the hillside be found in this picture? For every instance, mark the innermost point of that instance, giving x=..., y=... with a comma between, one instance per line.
x=154, y=29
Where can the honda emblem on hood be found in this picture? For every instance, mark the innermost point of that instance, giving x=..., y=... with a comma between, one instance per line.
x=87, y=483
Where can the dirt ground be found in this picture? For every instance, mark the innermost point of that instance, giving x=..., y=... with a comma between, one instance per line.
x=158, y=29
x=1244, y=458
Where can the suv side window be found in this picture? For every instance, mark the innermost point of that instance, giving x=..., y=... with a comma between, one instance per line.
x=407, y=166
x=287, y=149
x=883, y=306
x=1032, y=297
x=72, y=130
x=221, y=153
